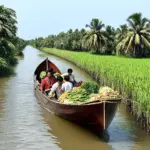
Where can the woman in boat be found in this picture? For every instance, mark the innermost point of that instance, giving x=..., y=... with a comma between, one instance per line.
x=67, y=86
x=56, y=88
x=48, y=82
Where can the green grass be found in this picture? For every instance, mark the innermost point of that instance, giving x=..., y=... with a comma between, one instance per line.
x=129, y=76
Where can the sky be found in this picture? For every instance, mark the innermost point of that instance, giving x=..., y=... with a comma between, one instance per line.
x=40, y=18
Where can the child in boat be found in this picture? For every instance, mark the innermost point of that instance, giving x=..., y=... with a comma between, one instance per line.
x=71, y=76
x=67, y=86
x=48, y=82
x=56, y=88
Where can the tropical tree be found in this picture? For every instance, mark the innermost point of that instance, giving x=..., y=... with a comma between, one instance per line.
x=121, y=32
x=7, y=49
x=95, y=38
x=8, y=31
x=110, y=46
x=136, y=40
x=119, y=36
x=19, y=45
x=8, y=22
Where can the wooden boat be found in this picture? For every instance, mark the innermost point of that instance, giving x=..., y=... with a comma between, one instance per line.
x=97, y=115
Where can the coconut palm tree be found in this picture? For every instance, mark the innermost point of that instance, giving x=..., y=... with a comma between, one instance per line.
x=121, y=32
x=136, y=41
x=110, y=47
x=120, y=35
x=95, y=38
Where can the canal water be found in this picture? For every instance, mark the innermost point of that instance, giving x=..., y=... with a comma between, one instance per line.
x=25, y=125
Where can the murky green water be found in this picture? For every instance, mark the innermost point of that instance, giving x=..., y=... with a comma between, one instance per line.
x=25, y=125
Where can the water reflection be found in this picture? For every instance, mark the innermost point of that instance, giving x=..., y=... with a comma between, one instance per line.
x=72, y=136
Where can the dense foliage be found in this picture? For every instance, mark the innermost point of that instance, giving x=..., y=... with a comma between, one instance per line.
x=136, y=40
x=10, y=44
x=131, y=40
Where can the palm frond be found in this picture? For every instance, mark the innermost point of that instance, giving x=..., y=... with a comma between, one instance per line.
x=131, y=24
x=119, y=47
x=95, y=38
x=144, y=21
x=94, y=23
x=88, y=26
x=126, y=40
x=129, y=44
x=136, y=18
x=137, y=39
x=145, y=32
x=145, y=41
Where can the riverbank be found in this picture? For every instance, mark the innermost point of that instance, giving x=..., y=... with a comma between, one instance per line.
x=129, y=76
x=5, y=69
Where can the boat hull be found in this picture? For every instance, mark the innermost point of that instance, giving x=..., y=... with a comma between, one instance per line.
x=95, y=116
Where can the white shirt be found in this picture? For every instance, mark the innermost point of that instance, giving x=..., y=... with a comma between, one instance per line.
x=72, y=78
x=67, y=86
x=56, y=88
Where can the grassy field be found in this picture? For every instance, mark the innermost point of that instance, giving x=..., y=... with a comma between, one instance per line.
x=129, y=76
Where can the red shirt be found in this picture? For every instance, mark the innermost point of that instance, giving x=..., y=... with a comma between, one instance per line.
x=47, y=83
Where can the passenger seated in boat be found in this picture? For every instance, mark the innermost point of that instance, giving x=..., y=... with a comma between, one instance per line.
x=56, y=88
x=71, y=76
x=48, y=82
x=67, y=86
x=51, y=70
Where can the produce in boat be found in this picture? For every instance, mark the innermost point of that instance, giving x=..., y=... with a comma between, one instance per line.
x=42, y=74
x=90, y=87
x=105, y=89
x=56, y=74
x=83, y=94
x=76, y=95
